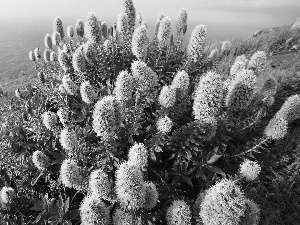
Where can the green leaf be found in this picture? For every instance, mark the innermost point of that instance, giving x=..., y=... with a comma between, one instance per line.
x=213, y=159
x=188, y=180
x=36, y=177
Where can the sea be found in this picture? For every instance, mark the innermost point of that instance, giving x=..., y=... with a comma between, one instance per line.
x=18, y=37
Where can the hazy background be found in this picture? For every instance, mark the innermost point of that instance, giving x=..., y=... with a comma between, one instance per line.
x=24, y=23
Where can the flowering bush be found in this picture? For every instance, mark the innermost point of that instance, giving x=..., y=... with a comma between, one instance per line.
x=118, y=127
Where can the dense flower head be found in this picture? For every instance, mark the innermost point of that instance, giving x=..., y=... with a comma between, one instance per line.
x=164, y=32
x=269, y=101
x=144, y=76
x=250, y=170
x=107, y=117
x=140, y=41
x=63, y=115
x=224, y=203
x=56, y=38
x=87, y=92
x=242, y=58
x=92, y=28
x=41, y=77
x=290, y=108
x=158, y=20
x=50, y=120
x=31, y=56
x=164, y=124
x=48, y=41
x=277, y=128
x=179, y=212
x=151, y=195
x=69, y=85
x=79, y=27
x=167, y=96
x=208, y=97
x=124, y=86
x=58, y=27
x=47, y=53
x=70, y=31
x=258, y=62
x=53, y=56
x=100, y=184
x=237, y=67
x=181, y=83
x=90, y=52
x=93, y=211
x=79, y=61
x=195, y=48
x=37, y=53
x=130, y=188
x=40, y=160
x=226, y=46
x=122, y=217
x=181, y=21
x=213, y=54
x=7, y=195
x=252, y=213
x=70, y=174
x=104, y=30
x=68, y=140
x=129, y=9
x=122, y=23
x=138, y=155
x=241, y=91
x=64, y=60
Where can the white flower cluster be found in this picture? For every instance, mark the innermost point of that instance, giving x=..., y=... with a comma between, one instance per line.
x=129, y=9
x=258, y=62
x=195, y=48
x=250, y=170
x=107, y=117
x=92, y=28
x=79, y=27
x=164, y=32
x=40, y=160
x=158, y=20
x=241, y=91
x=79, y=62
x=87, y=92
x=124, y=86
x=93, y=211
x=224, y=203
x=167, y=96
x=179, y=212
x=70, y=31
x=208, y=97
x=144, y=76
x=56, y=38
x=99, y=184
x=58, y=27
x=181, y=21
x=164, y=124
x=140, y=41
x=122, y=24
x=48, y=41
x=138, y=156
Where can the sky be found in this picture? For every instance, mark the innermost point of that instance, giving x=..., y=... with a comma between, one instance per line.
x=248, y=13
